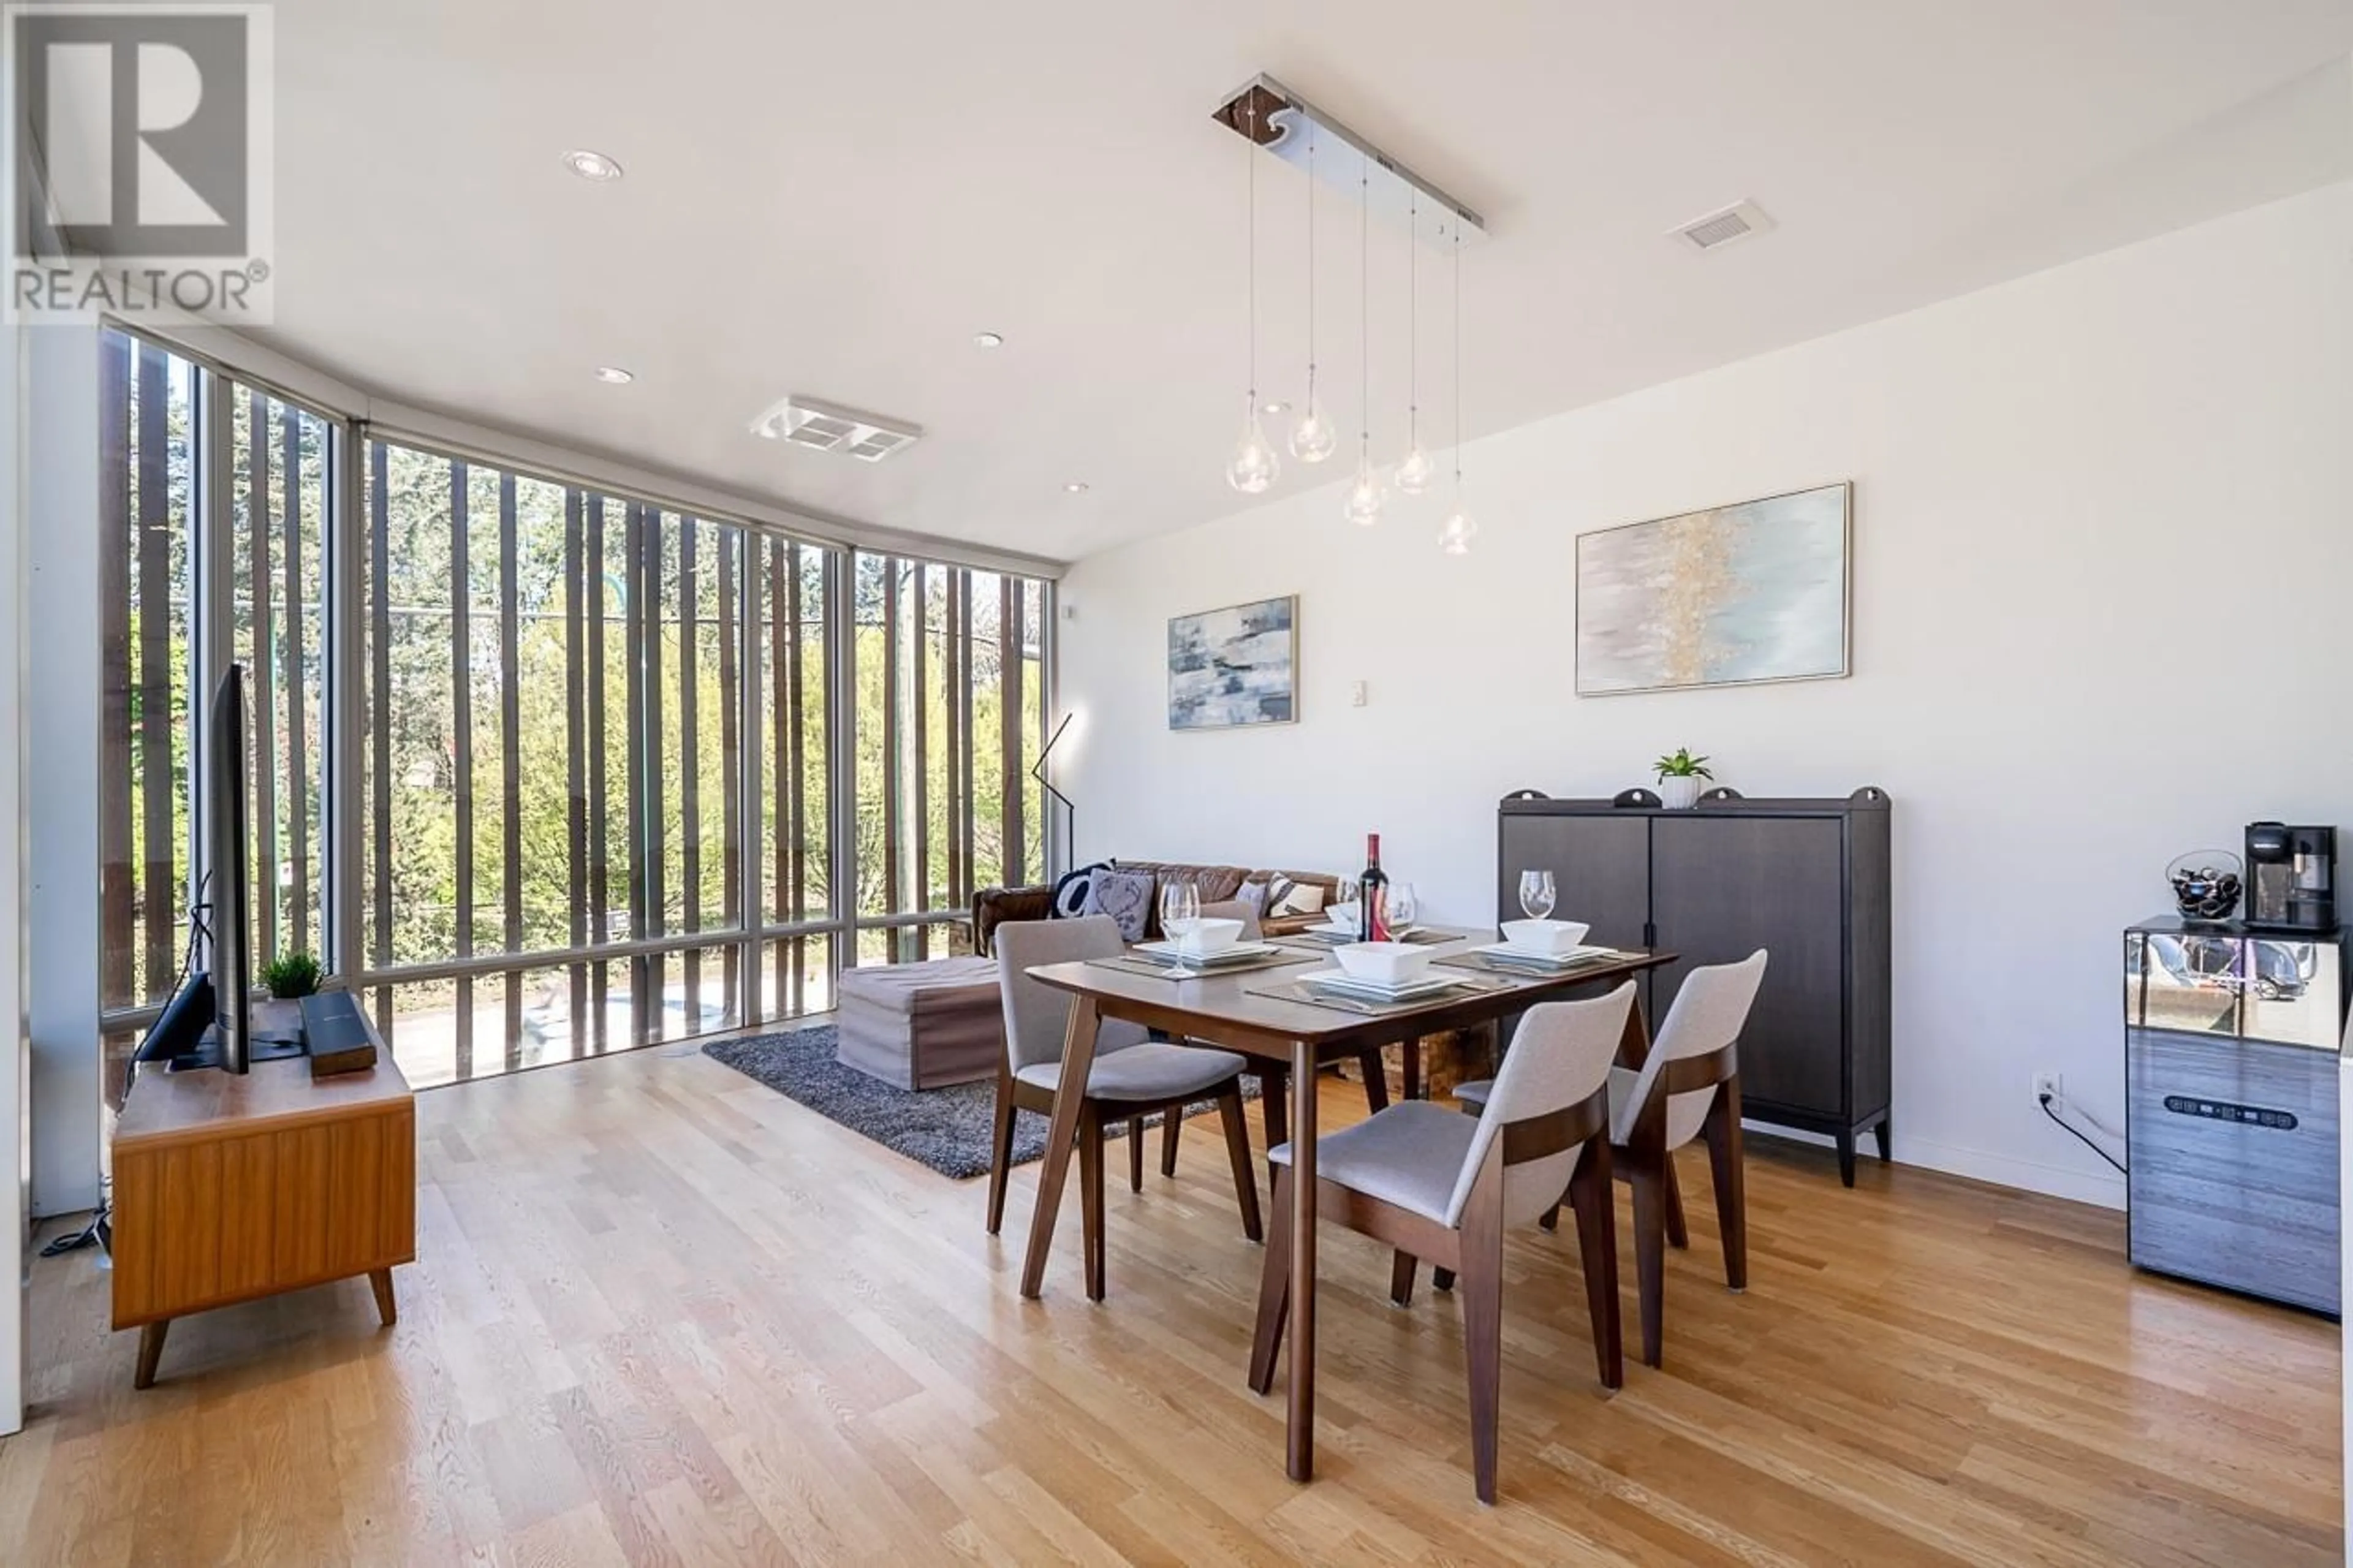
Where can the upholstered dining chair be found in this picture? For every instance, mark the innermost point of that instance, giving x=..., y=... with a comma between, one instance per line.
x=1688, y=1087
x=1273, y=1077
x=1132, y=1076
x=1442, y=1189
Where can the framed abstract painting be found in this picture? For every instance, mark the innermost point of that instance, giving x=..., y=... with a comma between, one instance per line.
x=1234, y=666
x=1734, y=595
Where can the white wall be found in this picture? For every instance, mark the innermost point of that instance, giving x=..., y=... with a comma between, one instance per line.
x=2103, y=539
x=16, y=1046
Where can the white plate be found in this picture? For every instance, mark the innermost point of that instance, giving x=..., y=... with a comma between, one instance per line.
x=1166, y=952
x=1341, y=983
x=1510, y=954
x=1351, y=933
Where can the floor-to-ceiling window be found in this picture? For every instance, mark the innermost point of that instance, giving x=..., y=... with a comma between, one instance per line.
x=541, y=771
x=596, y=764
x=147, y=647
x=951, y=691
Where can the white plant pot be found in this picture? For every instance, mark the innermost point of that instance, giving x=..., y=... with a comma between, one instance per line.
x=1679, y=793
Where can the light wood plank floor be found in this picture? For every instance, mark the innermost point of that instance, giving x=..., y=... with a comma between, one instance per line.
x=663, y=1315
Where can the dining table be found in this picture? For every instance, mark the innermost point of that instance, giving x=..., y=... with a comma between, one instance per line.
x=1265, y=1014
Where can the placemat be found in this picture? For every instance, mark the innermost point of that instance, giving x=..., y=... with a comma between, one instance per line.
x=1485, y=964
x=1294, y=992
x=1132, y=965
x=1323, y=943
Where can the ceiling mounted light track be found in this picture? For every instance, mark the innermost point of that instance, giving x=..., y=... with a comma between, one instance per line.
x=1268, y=114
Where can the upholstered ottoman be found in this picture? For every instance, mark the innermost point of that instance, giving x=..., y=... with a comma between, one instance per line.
x=922, y=1025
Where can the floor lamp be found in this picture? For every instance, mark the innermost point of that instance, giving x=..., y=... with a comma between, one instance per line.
x=1038, y=772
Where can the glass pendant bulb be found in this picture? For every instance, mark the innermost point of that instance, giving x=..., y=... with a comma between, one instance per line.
x=1253, y=465
x=1415, y=470
x=1363, y=505
x=1313, y=438
x=1455, y=534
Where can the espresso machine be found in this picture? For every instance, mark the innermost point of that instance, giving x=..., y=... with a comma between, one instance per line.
x=2291, y=878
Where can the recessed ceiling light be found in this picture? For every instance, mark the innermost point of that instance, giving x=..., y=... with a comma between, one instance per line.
x=592, y=165
x=1277, y=406
x=988, y=340
x=1076, y=487
x=613, y=375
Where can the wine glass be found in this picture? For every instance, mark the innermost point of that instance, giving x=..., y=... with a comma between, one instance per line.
x=1400, y=907
x=1536, y=895
x=1180, y=916
x=1345, y=910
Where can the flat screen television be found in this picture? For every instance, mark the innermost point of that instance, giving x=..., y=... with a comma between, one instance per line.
x=227, y=851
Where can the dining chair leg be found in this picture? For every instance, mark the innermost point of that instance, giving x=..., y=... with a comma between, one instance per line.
x=1238, y=1152
x=1596, y=1247
x=1171, y=1127
x=1275, y=1105
x=1411, y=1066
x=1442, y=1278
x=1678, y=1233
x=1377, y=1080
x=1090, y=1198
x=1650, y=1251
x=1722, y=1131
x=1483, y=1325
x=1135, y=1151
x=1000, y=1150
x=1273, y=1288
x=1401, y=1270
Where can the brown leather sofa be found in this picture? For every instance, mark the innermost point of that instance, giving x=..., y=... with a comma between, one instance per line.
x=992, y=907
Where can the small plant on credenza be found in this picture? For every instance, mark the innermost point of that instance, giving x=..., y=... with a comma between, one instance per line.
x=292, y=974
x=1680, y=774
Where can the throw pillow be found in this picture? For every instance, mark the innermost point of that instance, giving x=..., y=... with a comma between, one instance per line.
x=1071, y=890
x=1126, y=897
x=1299, y=898
x=1251, y=895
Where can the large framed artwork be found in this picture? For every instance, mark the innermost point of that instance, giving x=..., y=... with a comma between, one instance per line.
x=1235, y=666
x=1734, y=595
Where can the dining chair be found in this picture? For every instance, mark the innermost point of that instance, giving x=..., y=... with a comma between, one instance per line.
x=1133, y=1075
x=1688, y=1087
x=1442, y=1189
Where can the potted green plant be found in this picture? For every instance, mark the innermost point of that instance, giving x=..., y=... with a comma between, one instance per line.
x=292, y=974
x=1680, y=774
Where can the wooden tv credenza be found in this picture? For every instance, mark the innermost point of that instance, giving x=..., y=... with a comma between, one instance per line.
x=227, y=1188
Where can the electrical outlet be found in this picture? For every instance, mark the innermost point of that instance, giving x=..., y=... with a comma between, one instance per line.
x=1358, y=695
x=2050, y=1085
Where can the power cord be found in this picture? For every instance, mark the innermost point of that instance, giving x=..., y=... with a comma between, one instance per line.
x=2044, y=1099
x=99, y=1231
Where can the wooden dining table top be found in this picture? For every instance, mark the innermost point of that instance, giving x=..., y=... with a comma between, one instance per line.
x=1227, y=1010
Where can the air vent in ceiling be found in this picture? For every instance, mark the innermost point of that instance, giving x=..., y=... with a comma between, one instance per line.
x=805, y=422
x=1720, y=228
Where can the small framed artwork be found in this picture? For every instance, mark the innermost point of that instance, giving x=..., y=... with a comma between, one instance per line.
x=1235, y=667
x=1734, y=595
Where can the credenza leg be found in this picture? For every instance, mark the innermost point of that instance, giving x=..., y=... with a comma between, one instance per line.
x=151, y=1351
x=385, y=1309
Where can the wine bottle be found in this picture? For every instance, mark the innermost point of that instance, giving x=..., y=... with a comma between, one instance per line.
x=1372, y=894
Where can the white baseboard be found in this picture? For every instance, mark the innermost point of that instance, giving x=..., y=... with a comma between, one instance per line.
x=2107, y=1190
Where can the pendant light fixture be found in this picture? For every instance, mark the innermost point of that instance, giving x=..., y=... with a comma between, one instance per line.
x=1253, y=465
x=1313, y=438
x=1415, y=470
x=1455, y=534
x=1363, y=505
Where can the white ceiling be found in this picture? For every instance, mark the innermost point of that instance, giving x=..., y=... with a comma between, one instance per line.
x=832, y=200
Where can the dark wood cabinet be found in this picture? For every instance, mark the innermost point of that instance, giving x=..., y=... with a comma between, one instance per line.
x=1805, y=880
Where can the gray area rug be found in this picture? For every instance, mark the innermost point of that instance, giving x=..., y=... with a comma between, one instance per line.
x=946, y=1129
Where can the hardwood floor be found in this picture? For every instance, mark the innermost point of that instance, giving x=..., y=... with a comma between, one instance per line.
x=662, y=1314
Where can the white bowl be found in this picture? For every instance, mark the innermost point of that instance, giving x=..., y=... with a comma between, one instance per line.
x=1383, y=963
x=1210, y=936
x=1551, y=938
